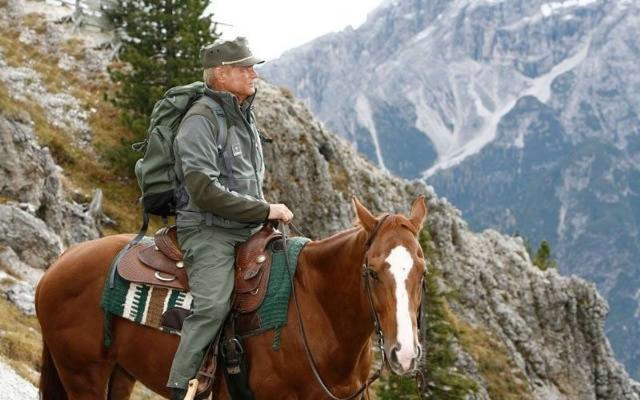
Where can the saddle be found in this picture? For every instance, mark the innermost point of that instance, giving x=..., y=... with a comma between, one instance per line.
x=160, y=264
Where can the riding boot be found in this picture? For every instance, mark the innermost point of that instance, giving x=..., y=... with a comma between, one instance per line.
x=178, y=394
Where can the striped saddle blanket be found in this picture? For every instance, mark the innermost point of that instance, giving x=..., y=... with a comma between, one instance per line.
x=158, y=307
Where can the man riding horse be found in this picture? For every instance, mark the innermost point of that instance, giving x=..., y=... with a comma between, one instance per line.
x=363, y=280
x=217, y=207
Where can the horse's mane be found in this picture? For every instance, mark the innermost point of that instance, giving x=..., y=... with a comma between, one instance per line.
x=340, y=234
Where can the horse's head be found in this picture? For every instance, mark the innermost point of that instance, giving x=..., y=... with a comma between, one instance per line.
x=395, y=267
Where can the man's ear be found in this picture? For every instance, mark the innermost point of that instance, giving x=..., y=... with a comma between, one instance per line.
x=418, y=213
x=367, y=220
x=220, y=73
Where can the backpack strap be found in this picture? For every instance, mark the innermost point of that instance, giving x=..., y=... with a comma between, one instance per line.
x=223, y=133
x=216, y=115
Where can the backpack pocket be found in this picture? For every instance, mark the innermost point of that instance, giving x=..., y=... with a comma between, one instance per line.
x=155, y=172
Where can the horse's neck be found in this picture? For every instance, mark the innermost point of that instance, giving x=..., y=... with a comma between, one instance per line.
x=335, y=277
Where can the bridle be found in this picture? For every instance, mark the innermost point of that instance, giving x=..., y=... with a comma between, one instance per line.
x=368, y=274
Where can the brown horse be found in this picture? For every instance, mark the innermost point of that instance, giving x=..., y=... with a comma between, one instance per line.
x=332, y=292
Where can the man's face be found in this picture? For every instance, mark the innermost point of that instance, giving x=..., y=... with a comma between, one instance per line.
x=239, y=81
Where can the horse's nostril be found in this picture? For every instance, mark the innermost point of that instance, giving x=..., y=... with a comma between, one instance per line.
x=394, y=354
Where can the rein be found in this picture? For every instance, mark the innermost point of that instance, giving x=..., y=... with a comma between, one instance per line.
x=367, y=274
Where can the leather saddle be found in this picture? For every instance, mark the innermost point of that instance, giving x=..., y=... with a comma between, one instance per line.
x=160, y=264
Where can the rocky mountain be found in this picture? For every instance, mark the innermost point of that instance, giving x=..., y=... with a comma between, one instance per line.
x=524, y=114
x=515, y=330
x=550, y=326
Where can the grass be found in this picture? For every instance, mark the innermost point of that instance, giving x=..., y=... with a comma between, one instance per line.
x=76, y=48
x=36, y=22
x=504, y=380
x=84, y=170
x=20, y=343
x=339, y=177
x=9, y=107
x=4, y=199
x=18, y=54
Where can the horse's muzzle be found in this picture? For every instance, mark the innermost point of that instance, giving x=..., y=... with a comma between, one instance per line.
x=402, y=363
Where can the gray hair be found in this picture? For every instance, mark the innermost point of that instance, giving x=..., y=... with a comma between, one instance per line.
x=209, y=75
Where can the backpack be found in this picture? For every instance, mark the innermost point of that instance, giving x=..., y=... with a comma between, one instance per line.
x=155, y=170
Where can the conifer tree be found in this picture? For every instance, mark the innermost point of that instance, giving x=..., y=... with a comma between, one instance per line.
x=543, y=258
x=161, y=41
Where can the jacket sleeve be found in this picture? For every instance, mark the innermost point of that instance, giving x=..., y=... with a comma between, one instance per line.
x=197, y=148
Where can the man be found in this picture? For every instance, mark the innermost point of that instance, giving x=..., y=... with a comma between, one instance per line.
x=221, y=202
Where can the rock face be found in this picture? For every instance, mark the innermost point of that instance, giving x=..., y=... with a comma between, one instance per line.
x=32, y=183
x=318, y=172
x=38, y=218
x=37, y=221
x=552, y=327
x=525, y=114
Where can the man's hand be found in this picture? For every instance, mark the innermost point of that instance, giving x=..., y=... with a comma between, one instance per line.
x=280, y=212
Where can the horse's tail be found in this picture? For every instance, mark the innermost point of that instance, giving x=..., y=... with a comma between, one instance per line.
x=50, y=384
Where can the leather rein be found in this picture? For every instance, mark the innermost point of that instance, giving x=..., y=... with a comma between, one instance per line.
x=368, y=273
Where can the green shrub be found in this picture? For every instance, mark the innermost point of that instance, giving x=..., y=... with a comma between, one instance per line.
x=543, y=258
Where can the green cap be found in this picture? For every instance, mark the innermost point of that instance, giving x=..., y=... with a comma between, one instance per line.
x=230, y=52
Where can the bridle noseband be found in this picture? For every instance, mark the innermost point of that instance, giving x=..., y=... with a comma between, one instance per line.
x=368, y=274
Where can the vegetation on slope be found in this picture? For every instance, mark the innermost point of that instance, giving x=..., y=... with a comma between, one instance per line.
x=85, y=168
x=443, y=331
x=20, y=344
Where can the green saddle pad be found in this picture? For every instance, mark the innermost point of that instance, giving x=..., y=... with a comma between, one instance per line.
x=146, y=304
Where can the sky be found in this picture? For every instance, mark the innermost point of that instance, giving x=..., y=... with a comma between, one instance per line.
x=274, y=26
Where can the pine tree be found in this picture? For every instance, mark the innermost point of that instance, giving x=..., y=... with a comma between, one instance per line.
x=543, y=258
x=161, y=41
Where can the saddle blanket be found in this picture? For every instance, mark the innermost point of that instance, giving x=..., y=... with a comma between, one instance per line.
x=146, y=304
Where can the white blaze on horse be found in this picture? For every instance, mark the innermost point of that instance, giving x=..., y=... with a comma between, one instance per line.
x=346, y=285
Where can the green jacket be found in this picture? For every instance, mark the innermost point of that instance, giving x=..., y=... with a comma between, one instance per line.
x=209, y=193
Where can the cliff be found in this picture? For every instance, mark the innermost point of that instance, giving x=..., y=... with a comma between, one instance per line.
x=523, y=113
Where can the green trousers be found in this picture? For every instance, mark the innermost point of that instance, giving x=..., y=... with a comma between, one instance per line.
x=208, y=259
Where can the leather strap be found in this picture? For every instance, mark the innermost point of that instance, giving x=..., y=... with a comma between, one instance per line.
x=133, y=242
x=378, y=329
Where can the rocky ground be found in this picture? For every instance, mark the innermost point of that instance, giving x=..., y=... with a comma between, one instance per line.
x=14, y=386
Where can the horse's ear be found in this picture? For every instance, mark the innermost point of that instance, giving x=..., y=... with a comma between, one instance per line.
x=367, y=220
x=418, y=213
